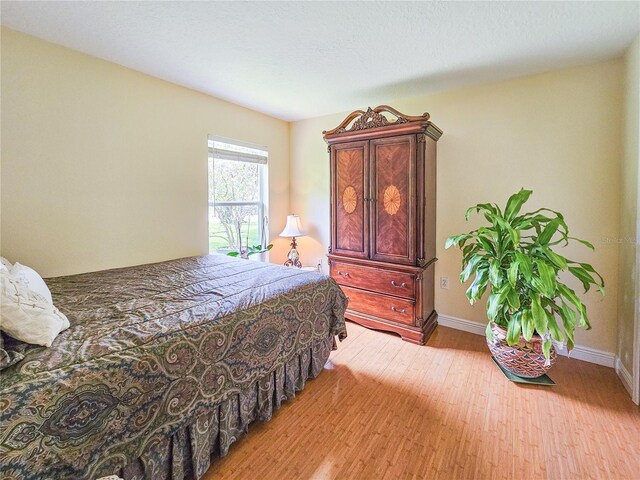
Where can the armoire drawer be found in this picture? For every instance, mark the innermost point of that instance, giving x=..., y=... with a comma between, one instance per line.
x=382, y=306
x=376, y=279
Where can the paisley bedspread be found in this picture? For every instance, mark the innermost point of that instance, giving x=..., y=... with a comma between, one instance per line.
x=163, y=367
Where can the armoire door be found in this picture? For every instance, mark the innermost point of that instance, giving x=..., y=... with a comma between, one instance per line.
x=350, y=192
x=393, y=199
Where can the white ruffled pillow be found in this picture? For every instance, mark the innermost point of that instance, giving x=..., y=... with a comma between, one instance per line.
x=32, y=280
x=5, y=264
x=27, y=315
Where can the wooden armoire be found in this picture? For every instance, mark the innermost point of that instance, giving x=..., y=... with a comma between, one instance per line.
x=383, y=219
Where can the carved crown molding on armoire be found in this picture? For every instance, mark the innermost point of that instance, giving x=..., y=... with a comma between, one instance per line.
x=383, y=218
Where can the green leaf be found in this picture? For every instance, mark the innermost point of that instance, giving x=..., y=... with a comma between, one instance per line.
x=513, y=299
x=481, y=207
x=494, y=273
x=469, y=249
x=513, y=330
x=487, y=244
x=537, y=218
x=558, y=260
x=515, y=202
x=478, y=286
x=525, y=266
x=505, y=226
x=479, y=291
x=233, y=254
x=584, y=242
x=582, y=275
x=494, y=305
x=455, y=239
x=546, y=348
x=467, y=258
x=557, y=214
x=547, y=277
x=539, y=315
x=545, y=237
x=490, y=233
x=527, y=325
x=512, y=272
x=590, y=269
x=556, y=333
x=571, y=296
x=515, y=237
x=569, y=320
x=471, y=267
x=488, y=332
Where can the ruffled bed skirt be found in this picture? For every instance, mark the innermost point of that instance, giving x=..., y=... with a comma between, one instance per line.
x=188, y=453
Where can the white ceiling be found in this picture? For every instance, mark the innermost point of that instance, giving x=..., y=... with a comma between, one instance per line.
x=297, y=60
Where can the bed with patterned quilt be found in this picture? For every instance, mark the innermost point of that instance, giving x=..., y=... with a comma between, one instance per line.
x=164, y=366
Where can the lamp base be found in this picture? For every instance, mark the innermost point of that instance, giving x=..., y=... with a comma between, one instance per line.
x=293, y=258
x=290, y=263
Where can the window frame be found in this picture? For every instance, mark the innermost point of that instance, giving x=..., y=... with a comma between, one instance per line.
x=263, y=183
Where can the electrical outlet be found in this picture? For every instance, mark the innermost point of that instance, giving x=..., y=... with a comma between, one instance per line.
x=320, y=264
x=444, y=283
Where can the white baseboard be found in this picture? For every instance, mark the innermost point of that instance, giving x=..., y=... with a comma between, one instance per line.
x=462, y=324
x=587, y=354
x=625, y=376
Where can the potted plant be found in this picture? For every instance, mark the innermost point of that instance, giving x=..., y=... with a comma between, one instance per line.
x=513, y=258
x=246, y=251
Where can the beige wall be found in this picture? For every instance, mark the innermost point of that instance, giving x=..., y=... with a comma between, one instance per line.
x=628, y=297
x=103, y=166
x=557, y=133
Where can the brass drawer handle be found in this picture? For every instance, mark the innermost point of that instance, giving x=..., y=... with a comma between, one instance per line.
x=343, y=274
x=402, y=285
x=402, y=310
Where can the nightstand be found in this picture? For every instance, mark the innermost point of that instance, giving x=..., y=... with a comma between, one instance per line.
x=311, y=269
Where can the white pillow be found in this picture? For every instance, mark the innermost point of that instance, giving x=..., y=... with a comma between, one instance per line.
x=5, y=264
x=32, y=280
x=26, y=315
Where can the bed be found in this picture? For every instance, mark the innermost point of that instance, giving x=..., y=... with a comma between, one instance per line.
x=164, y=366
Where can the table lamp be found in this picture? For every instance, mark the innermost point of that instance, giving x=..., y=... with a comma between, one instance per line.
x=293, y=229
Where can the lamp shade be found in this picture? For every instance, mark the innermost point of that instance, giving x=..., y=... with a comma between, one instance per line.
x=293, y=227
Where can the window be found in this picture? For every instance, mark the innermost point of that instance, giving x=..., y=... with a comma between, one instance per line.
x=237, y=195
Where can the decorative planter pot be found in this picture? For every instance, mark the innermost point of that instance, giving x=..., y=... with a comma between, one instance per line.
x=524, y=359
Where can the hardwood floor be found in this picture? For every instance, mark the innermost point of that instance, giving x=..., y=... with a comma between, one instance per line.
x=388, y=409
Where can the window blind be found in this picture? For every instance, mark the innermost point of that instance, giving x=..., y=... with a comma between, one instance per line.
x=237, y=152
